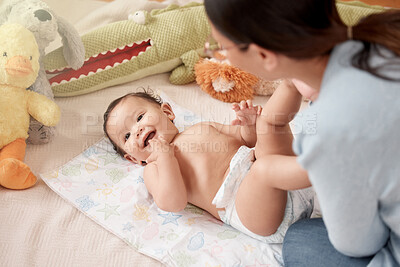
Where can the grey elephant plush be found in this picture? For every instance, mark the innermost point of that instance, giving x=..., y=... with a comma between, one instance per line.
x=36, y=16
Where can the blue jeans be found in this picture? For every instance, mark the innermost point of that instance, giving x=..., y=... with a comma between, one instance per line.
x=307, y=244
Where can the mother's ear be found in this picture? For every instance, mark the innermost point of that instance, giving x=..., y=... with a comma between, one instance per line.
x=167, y=110
x=268, y=58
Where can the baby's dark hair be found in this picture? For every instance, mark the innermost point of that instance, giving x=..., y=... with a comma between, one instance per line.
x=147, y=95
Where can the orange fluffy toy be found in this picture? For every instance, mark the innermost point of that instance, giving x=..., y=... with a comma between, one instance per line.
x=228, y=83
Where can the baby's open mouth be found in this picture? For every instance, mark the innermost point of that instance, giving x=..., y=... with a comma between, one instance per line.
x=149, y=137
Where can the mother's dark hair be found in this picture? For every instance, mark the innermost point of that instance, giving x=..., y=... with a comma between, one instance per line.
x=303, y=28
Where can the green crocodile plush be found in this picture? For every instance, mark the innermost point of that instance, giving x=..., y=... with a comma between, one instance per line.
x=170, y=39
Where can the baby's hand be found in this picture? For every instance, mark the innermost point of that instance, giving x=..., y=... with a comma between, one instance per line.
x=246, y=113
x=158, y=148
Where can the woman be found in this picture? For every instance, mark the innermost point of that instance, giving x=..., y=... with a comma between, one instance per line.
x=350, y=138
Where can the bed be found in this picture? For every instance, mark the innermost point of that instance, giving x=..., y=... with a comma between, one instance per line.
x=40, y=228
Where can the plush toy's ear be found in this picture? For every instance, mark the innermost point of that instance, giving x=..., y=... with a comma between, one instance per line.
x=5, y=9
x=73, y=49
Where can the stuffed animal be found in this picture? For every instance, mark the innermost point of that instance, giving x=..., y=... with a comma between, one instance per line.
x=163, y=40
x=229, y=84
x=36, y=16
x=19, y=66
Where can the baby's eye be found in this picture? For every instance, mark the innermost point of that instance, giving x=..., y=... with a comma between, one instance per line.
x=140, y=117
x=127, y=136
x=5, y=54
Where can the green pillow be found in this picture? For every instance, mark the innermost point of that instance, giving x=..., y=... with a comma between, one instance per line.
x=352, y=12
x=170, y=39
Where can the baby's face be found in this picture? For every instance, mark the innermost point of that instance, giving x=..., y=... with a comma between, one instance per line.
x=135, y=121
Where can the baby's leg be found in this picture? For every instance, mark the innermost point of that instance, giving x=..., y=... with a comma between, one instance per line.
x=273, y=131
x=260, y=207
x=274, y=139
x=261, y=198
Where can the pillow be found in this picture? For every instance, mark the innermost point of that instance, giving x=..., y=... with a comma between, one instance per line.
x=170, y=39
x=352, y=12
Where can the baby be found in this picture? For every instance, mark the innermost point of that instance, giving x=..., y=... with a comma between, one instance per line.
x=215, y=166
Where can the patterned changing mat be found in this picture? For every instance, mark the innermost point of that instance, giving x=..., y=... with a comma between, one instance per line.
x=111, y=191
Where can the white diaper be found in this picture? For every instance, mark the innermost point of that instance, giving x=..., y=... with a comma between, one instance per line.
x=299, y=203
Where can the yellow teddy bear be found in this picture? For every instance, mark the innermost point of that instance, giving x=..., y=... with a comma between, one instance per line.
x=19, y=66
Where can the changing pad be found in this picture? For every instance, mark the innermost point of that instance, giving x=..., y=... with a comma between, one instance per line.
x=111, y=191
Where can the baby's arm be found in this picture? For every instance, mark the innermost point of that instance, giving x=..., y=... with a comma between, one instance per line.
x=253, y=121
x=243, y=128
x=278, y=112
x=246, y=117
x=163, y=178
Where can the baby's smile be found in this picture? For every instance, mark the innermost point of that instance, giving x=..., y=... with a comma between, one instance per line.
x=148, y=136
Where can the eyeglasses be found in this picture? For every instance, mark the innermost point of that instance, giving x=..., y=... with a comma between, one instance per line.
x=211, y=47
